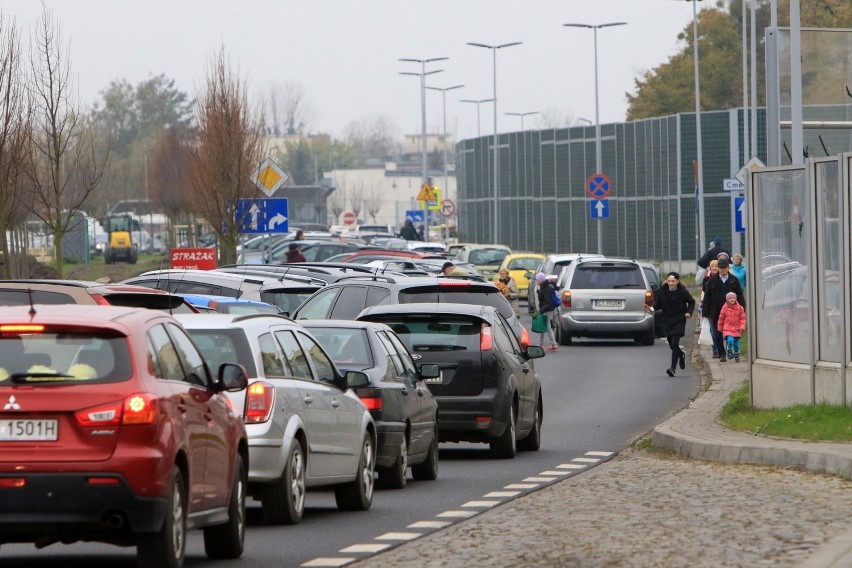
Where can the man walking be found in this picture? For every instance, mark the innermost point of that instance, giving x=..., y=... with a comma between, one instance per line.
x=715, y=291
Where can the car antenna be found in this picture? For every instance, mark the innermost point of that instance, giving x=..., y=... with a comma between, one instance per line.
x=32, y=311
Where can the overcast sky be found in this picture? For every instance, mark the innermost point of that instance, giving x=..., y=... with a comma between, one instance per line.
x=346, y=52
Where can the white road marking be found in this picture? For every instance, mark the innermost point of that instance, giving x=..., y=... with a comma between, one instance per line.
x=571, y=466
x=554, y=473
x=369, y=548
x=601, y=454
x=456, y=514
x=522, y=486
x=399, y=536
x=500, y=494
x=540, y=479
x=586, y=460
x=328, y=562
x=481, y=504
x=431, y=524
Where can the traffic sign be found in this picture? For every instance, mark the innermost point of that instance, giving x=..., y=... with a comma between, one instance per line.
x=752, y=164
x=434, y=204
x=349, y=218
x=448, y=208
x=415, y=216
x=269, y=177
x=733, y=185
x=427, y=193
x=598, y=186
x=739, y=214
x=599, y=208
x=262, y=215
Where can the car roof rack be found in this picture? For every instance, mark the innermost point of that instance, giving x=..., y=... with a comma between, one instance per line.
x=370, y=277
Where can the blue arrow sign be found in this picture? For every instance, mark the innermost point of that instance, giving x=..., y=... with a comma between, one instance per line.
x=262, y=215
x=739, y=214
x=599, y=208
x=415, y=216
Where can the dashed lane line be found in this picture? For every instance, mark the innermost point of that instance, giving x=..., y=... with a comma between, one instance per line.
x=399, y=536
x=586, y=460
x=328, y=562
x=456, y=514
x=551, y=472
x=524, y=485
x=502, y=494
x=571, y=466
x=481, y=504
x=430, y=524
x=540, y=479
x=362, y=548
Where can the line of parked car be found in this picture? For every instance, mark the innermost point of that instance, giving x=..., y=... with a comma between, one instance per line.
x=131, y=426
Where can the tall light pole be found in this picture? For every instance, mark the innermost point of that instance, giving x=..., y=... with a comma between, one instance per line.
x=424, y=178
x=598, y=155
x=495, y=234
x=699, y=169
x=477, y=103
x=586, y=120
x=444, y=101
x=522, y=115
x=519, y=222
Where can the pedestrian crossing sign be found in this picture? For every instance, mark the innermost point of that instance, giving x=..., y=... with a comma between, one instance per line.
x=427, y=193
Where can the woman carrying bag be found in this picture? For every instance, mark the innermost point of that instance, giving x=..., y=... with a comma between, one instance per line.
x=677, y=305
x=546, y=295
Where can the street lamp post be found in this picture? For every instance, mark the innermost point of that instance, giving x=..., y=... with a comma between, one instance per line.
x=478, y=129
x=444, y=102
x=598, y=156
x=495, y=236
x=519, y=224
x=424, y=178
x=522, y=115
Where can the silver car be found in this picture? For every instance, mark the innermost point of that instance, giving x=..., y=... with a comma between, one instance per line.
x=605, y=297
x=305, y=424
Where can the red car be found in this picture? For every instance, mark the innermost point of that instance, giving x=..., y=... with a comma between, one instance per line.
x=112, y=429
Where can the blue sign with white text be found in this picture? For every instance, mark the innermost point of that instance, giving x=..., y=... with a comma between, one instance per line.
x=415, y=216
x=739, y=214
x=262, y=215
x=599, y=208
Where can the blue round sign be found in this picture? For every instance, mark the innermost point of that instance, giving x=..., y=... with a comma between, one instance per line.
x=598, y=186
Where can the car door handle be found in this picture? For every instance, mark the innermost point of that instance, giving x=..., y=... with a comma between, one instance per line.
x=335, y=403
x=309, y=400
x=404, y=392
x=526, y=369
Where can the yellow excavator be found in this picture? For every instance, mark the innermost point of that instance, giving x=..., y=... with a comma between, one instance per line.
x=120, y=246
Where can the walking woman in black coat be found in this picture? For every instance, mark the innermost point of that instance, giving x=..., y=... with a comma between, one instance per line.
x=676, y=304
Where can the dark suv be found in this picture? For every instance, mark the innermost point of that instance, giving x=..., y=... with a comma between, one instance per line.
x=487, y=389
x=348, y=296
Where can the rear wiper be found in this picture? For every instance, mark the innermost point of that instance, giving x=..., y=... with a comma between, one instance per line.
x=439, y=347
x=24, y=378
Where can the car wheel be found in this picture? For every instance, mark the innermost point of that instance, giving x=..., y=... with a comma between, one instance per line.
x=428, y=470
x=562, y=337
x=532, y=442
x=394, y=476
x=647, y=338
x=284, y=501
x=228, y=540
x=165, y=548
x=505, y=446
x=357, y=495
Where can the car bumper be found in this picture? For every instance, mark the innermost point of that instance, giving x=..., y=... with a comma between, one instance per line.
x=479, y=418
x=50, y=503
x=606, y=328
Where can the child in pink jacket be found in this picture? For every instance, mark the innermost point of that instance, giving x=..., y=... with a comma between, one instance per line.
x=732, y=321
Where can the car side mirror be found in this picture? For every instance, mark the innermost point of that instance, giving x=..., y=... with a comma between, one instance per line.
x=529, y=275
x=535, y=352
x=232, y=377
x=356, y=379
x=430, y=371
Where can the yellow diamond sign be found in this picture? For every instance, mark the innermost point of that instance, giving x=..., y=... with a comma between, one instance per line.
x=269, y=177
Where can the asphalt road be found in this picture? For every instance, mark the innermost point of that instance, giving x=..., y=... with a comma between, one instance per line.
x=599, y=396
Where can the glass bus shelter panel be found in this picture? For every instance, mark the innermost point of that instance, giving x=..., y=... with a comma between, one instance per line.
x=829, y=261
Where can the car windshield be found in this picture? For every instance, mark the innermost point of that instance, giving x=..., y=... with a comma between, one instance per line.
x=434, y=332
x=487, y=256
x=524, y=263
x=475, y=295
x=345, y=346
x=607, y=277
x=54, y=358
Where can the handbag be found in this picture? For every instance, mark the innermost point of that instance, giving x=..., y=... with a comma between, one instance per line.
x=539, y=323
x=706, y=337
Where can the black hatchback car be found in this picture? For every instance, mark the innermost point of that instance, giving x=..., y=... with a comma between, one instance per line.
x=405, y=413
x=487, y=389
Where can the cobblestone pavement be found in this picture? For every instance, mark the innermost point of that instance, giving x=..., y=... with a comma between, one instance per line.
x=648, y=508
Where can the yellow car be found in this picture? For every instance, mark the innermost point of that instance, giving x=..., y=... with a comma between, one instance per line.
x=518, y=265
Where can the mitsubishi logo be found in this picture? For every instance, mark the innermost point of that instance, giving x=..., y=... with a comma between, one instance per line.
x=12, y=404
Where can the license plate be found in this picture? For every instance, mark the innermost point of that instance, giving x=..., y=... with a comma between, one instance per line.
x=29, y=430
x=607, y=303
x=436, y=381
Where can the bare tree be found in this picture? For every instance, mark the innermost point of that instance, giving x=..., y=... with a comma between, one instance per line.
x=554, y=118
x=65, y=168
x=356, y=199
x=169, y=180
x=15, y=116
x=374, y=202
x=229, y=147
x=289, y=111
x=374, y=136
x=337, y=203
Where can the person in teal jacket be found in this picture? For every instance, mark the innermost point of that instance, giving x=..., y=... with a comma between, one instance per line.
x=738, y=269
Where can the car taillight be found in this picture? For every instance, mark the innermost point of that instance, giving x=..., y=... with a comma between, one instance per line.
x=649, y=298
x=260, y=398
x=454, y=283
x=485, y=339
x=21, y=328
x=137, y=409
x=525, y=338
x=100, y=300
x=566, y=298
x=372, y=398
x=12, y=482
x=213, y=305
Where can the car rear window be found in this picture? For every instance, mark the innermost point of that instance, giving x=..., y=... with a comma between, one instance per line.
x=344, y=345
x=610, y=277
x=164, y=302
x=224, y=346
x=288, y=299
x=22, y=298
x=54, y=358
x=434, y=332
x=458, y=294
x=487, y=256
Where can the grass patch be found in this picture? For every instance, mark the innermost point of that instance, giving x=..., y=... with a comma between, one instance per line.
x=813, y=422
